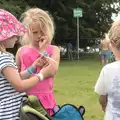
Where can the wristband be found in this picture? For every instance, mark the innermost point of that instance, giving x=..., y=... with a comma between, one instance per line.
x=45, y=54
x=31, y=70
x=40, y=76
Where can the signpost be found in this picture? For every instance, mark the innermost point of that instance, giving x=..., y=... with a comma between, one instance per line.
x=77, y=12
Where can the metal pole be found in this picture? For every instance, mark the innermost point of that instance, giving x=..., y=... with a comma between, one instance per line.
x=78, y=38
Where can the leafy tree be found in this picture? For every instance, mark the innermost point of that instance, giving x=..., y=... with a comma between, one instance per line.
x=16, y=7
x=96, y=20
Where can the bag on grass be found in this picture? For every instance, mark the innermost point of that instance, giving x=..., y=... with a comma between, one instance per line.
x=32, y=109
x=68, y=112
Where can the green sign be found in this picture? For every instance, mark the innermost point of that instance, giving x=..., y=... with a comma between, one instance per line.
x=77, y=12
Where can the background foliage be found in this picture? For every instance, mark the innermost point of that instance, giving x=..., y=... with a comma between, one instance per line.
x=95, y=22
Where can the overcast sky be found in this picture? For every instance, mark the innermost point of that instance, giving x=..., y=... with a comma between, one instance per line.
x=114, y=17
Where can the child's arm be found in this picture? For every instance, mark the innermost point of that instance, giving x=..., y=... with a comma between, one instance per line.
x=56, y=57
x=53, y=61
x=31, y=70
x=103, y=101
x=14, y=78
x=24, y=74
x=100, y=88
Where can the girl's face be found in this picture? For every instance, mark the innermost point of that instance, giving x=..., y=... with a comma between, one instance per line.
x=36, y=35
x=9, y=43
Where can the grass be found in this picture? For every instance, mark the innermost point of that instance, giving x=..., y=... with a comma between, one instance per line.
x=74, y=83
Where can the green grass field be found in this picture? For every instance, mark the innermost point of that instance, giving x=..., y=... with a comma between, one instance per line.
x=74, y=83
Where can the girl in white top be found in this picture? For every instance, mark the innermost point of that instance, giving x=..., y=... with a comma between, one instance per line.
x=108, y=84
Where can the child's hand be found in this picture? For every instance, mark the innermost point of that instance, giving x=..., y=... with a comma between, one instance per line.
x=53, y=63
x=103, y=108
x=43, y=41
x=44, y=62
x=40, y=62
x=103, y=102
x=47, y=71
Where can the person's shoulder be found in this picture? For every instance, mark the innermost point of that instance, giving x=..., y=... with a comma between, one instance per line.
x=55, y=47
x=6, y=56
x=112, y=65
x=22, y=48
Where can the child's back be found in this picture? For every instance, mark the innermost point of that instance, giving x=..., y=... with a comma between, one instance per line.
x=109, y=84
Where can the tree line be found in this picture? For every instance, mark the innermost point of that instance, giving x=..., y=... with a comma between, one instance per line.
x=96, y=20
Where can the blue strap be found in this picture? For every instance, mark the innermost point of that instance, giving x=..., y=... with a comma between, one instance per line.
x=31, y=70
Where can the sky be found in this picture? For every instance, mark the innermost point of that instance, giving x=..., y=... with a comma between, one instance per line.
x=115, y=18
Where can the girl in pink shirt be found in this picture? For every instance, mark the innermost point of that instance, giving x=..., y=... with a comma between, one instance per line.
x=36, y=43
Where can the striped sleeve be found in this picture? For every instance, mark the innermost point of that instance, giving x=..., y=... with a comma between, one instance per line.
x=6, y=61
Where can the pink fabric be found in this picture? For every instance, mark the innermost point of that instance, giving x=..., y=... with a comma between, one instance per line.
x=43, y=90
x=50, y=111
x=47, y=100
x=10, y=26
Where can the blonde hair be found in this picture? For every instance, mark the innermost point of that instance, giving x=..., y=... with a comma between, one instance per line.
x=114, y=33
x=43, y=18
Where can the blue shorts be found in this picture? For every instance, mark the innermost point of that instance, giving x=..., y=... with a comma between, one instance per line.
x=105, y=54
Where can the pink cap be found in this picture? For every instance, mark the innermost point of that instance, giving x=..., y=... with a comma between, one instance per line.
x=10, y=26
